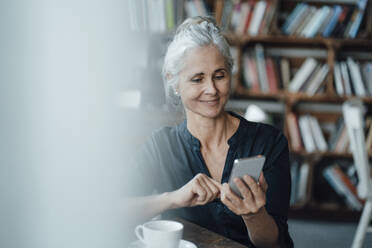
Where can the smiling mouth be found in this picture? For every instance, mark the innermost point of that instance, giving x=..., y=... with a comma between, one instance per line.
x=210, y=101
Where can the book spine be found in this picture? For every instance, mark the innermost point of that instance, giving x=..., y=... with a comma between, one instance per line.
x=318, y=80
x=337, y=10
x=261, y=68
x=293, y=17
x=356, y=77
x=338, y=79
x=306, y=133
x=316, y=22
x=303, y=73
x=258, y=13
x=346, y=79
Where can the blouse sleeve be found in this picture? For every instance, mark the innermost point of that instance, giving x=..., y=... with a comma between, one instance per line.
x=278, y=178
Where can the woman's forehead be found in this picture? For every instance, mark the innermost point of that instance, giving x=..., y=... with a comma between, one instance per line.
x=206, y=57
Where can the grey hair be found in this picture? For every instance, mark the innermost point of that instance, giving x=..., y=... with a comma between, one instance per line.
x=193, y=32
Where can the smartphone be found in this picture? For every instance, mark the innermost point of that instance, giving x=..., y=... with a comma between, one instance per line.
x=251, y=166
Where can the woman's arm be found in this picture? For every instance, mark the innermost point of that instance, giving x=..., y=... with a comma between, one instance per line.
x=198, y=191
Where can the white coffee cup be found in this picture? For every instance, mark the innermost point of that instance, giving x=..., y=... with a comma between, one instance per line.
x=160, y=234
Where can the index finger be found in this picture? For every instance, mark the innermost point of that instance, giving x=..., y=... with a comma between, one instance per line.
x=217, y=184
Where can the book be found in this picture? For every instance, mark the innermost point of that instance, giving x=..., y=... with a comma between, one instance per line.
x=342, y=142
x=293, y=17
x=346, y=79
x=317, y=133
x=342, y=185
x=250, y=73
x=338, y=79
x=367, y=75
x=303, y=183
x=245, y=9
x=271, y=75
x=306, y=133
x=336, y=133
x=325, y=22
x=285, y=72
x=369, y=139
x=356, y=77
x=298, y=28
x=257, y=16
x=261, y=68
x=294, y=132
x=314, y=24
x=318, y=80
x=302, y=74
x=294, y=182
x=268, y=18
x=235, y=17
x=337, y=10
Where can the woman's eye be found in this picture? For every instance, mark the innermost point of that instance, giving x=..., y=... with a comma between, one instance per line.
x=219, y=77
x=196, y=80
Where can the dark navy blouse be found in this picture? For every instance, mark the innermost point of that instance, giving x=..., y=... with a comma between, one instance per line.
x=172, y=157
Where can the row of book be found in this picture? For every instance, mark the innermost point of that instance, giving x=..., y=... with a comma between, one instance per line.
x=260, y=72
x=306, y=133
x=251, y=17
x=268, y=74
x=337, y=21
x=353, y=78
x=343, y=185
x=160, y=16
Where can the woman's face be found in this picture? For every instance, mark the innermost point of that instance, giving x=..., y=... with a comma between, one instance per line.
x=204, y=82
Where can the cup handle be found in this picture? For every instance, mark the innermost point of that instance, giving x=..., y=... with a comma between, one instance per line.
x=139, y=232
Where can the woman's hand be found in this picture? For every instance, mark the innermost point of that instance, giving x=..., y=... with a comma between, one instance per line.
x=253, y=193
x=198, y=191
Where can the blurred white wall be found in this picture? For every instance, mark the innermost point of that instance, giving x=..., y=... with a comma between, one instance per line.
x=63, y=64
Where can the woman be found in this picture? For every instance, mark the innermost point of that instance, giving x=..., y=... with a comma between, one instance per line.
x=190, y=164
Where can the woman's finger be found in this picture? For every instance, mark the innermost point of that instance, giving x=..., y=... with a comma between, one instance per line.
x=244, y=190
x=231, y=195
x=263, y=182
x=208, y=191
x=252, y=184
x=225, y=200
x=215, y=190
x=199, y=191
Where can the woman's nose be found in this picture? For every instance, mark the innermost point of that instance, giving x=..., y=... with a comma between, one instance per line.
x=211, y=87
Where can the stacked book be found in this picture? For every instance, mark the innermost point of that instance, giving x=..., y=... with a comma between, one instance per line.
x=300, y=178
x=305, y=133
x=309, y=78
x=260, y=72
x=251, y=17
x=343, y=186
x=353, y=78
x=337, y=21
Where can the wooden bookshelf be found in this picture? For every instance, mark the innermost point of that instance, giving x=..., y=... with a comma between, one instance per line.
x=331, y=49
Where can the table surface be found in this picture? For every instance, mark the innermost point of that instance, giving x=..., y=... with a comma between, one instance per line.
x=203, y=238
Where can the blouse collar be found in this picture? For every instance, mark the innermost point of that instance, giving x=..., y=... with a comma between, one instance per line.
x=195, y=143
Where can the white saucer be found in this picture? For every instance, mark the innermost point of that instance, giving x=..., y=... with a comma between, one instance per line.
x=183, y=244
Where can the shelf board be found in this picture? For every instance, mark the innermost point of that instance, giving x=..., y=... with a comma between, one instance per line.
x=325, y=154
x=236, y=39
x=244, y=93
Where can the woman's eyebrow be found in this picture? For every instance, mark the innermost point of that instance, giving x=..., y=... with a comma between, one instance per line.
x=198, y=74
x=220, y=69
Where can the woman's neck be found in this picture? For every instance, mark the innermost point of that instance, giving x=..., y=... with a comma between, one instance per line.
x=211, y=132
